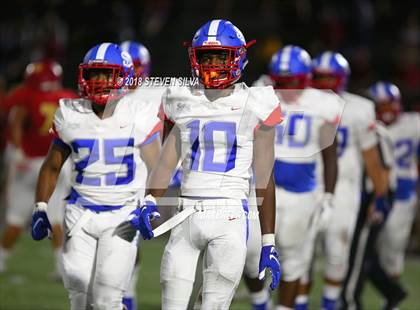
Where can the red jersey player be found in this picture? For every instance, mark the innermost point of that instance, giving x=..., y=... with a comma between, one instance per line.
x=32, y=107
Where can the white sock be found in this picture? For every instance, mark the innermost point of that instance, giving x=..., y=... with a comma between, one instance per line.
x=131, y=290
x=4, y=253
x=331, y=292
x=280, y=307
x=261, y=297
x=301, y=299
x=58, y=259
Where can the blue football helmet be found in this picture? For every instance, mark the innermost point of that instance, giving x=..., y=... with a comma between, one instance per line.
x=387, y=98
x=330, y=70
x=141, y=57
x=290, y=68
x=109, y=60
x=222, y=39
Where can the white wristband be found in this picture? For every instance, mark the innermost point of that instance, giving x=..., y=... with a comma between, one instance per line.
x=150, y=198
x=41, y=206
x=268, y=239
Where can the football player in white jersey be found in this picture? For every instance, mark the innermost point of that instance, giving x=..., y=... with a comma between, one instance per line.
x=356, y=144
x=404, y=129
x=310, y=125
x=142, y=65
x=223, y=129
x=107, y=137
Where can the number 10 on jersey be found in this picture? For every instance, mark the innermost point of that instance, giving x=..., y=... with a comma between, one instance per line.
x=208, y=157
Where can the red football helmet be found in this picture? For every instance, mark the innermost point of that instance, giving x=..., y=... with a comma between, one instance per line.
x=43, y=74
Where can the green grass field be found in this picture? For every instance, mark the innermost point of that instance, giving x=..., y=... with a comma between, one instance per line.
x=27, y=285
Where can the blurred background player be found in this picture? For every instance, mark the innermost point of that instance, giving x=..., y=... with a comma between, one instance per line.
x=404, y=130
x=356, y=145
x=364, y=262
x=32, y=107
x=107, y=136
x=225, y=128
x=311, y=121
x=142, y=68
x=141, y=58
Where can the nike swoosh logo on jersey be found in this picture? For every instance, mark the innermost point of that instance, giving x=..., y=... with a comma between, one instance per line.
x=232, y=218
x=235, y=108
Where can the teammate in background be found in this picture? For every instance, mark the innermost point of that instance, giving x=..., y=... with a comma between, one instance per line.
x=221, y=129
x=32, y=109
x=142, y=64
x=404, y=129
x=107, y=137
x=364, y=261
x=356, y=143
x=311, y=122
x=141, y=58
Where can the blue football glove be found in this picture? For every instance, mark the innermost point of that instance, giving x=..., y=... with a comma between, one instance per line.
x=141, y=217
x=381, y=210
x=40, y=223
x=270, y=259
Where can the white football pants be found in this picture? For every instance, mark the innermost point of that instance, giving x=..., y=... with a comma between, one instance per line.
x=21, y=193
x=220, y=230
x=293, y=234
x=395, y=234
x=98, y=257
x=338, y=236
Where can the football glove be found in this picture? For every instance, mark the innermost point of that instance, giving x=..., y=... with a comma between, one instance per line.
x=269, y=259
x=141, y=217
x=41, y=226
x=381, y=210
x=324, y=212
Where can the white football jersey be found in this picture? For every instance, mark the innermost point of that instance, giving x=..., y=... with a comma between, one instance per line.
x=298, y=138
x=152, y=97
x=217, y=136
x=405, y=135
x=107, y=167
x=356, y=133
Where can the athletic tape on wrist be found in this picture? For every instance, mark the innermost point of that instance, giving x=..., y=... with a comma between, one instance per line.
x=268, y=239
x=150, y=198
x=41, y=206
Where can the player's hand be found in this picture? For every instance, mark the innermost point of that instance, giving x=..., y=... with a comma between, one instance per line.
x=40, y=227
x=18, y=159
x=325, y=210
x=380, y=212
x=270, y=259
x=141, y=217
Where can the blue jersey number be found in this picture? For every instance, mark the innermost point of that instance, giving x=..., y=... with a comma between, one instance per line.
x=342, y=140
x=404, y=158
x=295, y=122
x=229, y=128
x=109, y=146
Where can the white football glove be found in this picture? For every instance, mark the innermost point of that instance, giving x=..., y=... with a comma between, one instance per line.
x=323, y=213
